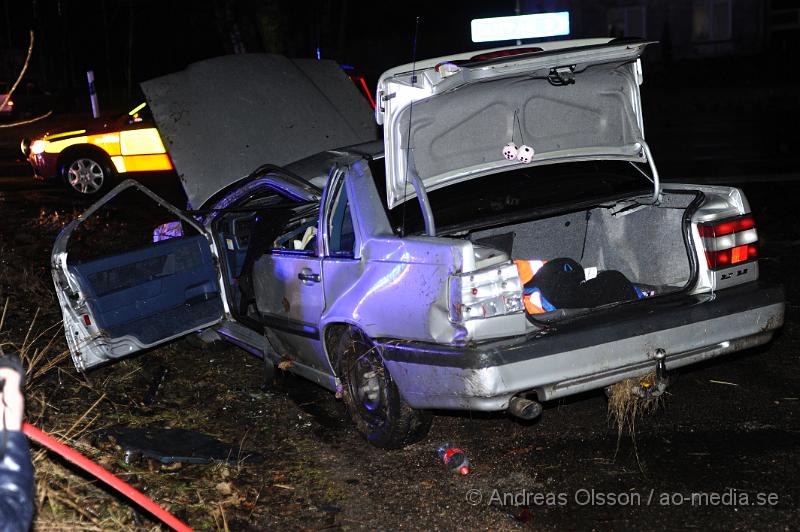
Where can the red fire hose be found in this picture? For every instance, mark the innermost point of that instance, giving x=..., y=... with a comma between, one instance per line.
x=115, y=482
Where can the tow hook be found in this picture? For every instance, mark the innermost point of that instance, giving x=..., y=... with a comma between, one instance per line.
x=651, y=390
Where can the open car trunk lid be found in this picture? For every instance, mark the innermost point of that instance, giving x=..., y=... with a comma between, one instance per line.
x=222, y=118
x=448, y=122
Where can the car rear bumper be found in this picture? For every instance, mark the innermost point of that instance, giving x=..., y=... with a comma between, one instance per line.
x=588, y=353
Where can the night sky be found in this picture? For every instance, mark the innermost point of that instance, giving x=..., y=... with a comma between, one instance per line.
x=127, y=41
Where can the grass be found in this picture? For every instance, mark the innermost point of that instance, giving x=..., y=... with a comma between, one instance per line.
x=626, y=407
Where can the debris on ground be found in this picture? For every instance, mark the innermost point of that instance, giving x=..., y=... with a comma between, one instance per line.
x=170, y=446
x=712, y=381
x=152, y=391
x=454, y=459
x=626, y=404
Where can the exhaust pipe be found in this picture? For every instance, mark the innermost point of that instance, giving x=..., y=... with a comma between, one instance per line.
x=524, y=408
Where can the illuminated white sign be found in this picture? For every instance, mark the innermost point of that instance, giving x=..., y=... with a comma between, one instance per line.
x=520, y=27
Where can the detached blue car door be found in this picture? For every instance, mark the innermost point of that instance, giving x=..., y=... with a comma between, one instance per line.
x=117, y=305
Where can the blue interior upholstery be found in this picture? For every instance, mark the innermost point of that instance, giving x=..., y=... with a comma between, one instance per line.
x=153, y=293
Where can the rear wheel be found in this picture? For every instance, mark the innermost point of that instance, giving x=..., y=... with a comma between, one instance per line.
x=373, y=401
x=87, y=174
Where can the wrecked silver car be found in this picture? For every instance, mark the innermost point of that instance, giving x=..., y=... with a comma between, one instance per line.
x=437, y=269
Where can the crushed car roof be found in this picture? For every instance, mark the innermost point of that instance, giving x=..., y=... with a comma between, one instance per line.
x=222, y=118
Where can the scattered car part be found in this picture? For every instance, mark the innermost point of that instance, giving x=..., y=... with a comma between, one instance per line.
x=176, y=445
x=155, y=386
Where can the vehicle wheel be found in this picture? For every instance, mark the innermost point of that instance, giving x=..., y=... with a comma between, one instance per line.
x=87, y=175
x=372, y=398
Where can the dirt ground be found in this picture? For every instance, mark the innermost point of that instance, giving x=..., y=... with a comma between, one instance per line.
x=729, y=429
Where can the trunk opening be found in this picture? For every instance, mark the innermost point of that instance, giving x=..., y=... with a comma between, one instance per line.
x=647, y=244
x=593, y=212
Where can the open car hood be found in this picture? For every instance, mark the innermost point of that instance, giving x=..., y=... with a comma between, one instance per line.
x=449, y=119
x=222, y=118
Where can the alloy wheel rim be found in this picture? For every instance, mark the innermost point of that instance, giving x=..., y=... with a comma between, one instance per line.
x=86, y=176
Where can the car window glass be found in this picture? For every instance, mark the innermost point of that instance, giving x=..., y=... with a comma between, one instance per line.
x=342, y=236
x=299, y=233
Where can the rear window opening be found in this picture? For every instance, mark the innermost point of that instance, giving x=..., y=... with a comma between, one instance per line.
x=513, y=194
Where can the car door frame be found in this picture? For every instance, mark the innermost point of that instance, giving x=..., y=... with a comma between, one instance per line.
x=88, y=346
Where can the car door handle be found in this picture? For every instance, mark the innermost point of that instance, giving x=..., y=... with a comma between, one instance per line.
x=307, y=276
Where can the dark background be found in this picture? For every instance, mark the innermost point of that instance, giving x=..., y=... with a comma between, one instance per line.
x=127, y=41
x=720, y=92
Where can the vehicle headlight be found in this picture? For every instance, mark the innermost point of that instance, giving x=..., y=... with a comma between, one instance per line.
x=493, y=291
x=38, y=146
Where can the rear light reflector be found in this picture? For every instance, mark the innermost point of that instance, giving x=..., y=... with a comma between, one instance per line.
x=731, y=257
x=485, y=293
x=726, y=228
x=729, y=242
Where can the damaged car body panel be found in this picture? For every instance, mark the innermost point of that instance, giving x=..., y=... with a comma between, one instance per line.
x=371, y=288
x=327, y=268
x=223, y=117
x=581, y=357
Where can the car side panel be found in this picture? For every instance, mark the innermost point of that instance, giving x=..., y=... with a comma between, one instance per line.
x=290, y=307
x=397, y=286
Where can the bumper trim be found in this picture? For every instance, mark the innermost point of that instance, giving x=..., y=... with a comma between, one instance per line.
x=620, y=323
x=693, y=356
x=586, y=356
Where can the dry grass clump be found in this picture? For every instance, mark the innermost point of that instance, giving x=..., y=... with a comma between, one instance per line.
x=64, y=500
x=39, y=351
x=625, y=407
x=71, y=407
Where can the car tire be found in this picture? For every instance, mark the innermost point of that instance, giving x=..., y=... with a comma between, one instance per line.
x=372, y=399
x=88, y=174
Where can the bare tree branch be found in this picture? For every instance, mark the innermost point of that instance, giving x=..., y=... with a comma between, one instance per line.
x=21, y=73
x=28, y=121
x=14, y=87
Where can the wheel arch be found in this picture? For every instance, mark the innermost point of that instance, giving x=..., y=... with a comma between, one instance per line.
x=330, y=335
x=76, y=150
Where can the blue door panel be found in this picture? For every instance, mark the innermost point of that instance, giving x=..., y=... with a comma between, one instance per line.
x=153, y=293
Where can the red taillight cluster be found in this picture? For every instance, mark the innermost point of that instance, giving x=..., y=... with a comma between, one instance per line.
x=729, y=242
